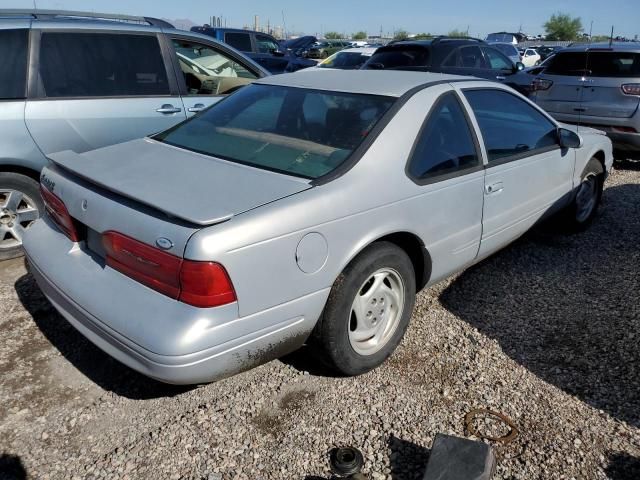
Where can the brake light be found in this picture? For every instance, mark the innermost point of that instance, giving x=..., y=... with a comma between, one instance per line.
x=631, y=89
x=201, y=284
x=539, y=84
x=624, y=129
x=59, y=213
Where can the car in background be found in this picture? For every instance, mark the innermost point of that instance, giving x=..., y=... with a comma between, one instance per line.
x=300, y=46
x=595, y=85
x=527, y=82
x=309, y=207
x=508, y=49
x=326, y=48
x=260, y=47
x=530, y=57
x=445, y=55
x=506, y=37
x=545, y=52
x=96, y=80
x=347, y=59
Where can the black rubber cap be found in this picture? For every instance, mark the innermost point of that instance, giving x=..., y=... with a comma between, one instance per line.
x=346, y=461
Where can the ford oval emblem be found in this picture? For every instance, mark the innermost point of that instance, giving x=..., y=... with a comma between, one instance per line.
x=164, y=243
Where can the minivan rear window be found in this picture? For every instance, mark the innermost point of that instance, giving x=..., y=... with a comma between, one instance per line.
x=596, y=64
x=296, y=131
x=399, y=58
x=13, y=63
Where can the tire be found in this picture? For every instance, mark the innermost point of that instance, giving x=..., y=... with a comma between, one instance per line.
x=580, y=213
x=20, y=206
x=371, y=278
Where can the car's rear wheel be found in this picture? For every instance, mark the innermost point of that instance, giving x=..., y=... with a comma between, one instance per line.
x=582, y=210
x=368, y=309
x=20, y=206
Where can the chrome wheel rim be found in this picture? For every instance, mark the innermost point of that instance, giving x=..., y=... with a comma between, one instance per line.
x=17, y=212
x=586, y=198
x=376, y=311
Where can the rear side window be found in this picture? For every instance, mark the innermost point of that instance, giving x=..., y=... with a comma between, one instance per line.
x=509, y=125
x=569, y=63
x=446, y=144
x=239, y=41
x=13, y=63
x=614, y=64
x=399, y=58
x=101, y=65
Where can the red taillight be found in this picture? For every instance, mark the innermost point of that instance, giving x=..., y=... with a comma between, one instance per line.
x=59, y=213
x=631, y=89
x=201, y=284
x=624, y=129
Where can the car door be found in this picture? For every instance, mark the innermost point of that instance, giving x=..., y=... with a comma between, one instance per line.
x=209, y=71
x=527, y=175
x=269, y=54
x=98, y=88
x=447, y=166
x=500, y=67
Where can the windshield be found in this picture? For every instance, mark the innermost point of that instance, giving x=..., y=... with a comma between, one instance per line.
x=306, y=133
x=345, y=60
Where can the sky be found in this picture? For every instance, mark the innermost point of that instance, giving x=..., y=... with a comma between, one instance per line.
x=415, y=16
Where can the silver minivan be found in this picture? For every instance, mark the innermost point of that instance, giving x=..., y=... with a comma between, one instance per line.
x=80, y=81
x=595, y=85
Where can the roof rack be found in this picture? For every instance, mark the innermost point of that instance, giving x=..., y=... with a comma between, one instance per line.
x=440, y=38
x=44, y=14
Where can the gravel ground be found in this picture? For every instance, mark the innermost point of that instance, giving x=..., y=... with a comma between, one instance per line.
x=545, y=332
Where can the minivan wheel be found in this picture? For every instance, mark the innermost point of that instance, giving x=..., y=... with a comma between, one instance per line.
x=582, y=210
x=368, y=309
x=20, y=206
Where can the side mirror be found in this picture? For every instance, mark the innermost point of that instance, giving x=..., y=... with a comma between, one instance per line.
x=519, y=66
x=568, y=138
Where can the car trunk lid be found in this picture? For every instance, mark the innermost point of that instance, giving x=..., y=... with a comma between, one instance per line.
x=195, y=188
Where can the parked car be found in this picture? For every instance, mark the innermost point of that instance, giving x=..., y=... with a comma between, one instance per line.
x=446, y=55
x=530, y=57
x=326, y=48
x=94, y=82
x=545, y=52
x=527, y=81
x=348, y=59
x=260, y=47
x=596, y=85
x=304, y=207
x=506, y=37
x=299, y=46
x=509, y=50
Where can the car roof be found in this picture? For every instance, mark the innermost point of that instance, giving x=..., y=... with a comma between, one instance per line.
x=614, y=47
x=392, y=83
x=363, y=50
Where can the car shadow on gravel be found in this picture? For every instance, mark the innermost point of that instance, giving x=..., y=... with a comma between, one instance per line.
x=623, y=466
x=11, y=468
x=566, y=306
x=96, y=365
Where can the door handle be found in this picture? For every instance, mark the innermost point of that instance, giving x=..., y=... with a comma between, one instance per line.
x=198, y=107
x=168, y=108
x=500, y=77
x=493, y=188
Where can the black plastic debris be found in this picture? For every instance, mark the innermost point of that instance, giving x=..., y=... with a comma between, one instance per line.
x=454, y=458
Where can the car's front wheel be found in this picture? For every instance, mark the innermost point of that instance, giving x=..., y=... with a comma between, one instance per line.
x=20, y=206
x=368, y=309
x=584, y=206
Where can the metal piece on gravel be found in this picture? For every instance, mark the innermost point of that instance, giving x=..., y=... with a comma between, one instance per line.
x=471, y=416
x=454, y=458
x=346, y=461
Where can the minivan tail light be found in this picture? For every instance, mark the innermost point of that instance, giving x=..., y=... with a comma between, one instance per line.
x=631, y=89
x=201, y=284
x=58, y=212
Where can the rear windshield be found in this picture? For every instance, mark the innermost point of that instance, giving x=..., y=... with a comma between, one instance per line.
x=501, y=37
x=595, y=64
x=396, y=57
x=345, y=61
x=508, y=50
x=301, y=132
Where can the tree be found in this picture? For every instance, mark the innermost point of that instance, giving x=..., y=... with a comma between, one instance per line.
x=423, y=36
x=457, y=33
x=401, y=35
x=360, y=36
x=561, y=26
x=333, y=35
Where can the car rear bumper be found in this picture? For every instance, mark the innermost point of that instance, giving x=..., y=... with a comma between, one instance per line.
x=191, y=345
x=627, y=141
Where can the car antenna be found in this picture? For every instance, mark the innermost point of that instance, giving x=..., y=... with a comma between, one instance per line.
x=611, y=37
